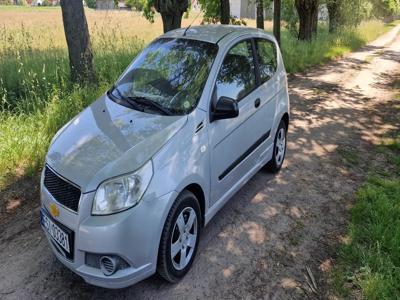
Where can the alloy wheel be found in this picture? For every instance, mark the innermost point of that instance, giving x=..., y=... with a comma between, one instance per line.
x=184, y=236
x=280, y=146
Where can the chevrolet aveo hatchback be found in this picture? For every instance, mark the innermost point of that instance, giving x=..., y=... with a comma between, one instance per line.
x=130, y=182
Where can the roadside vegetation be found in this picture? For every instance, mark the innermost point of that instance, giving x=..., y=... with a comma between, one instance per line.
x=299, y=55
x=369, y=261
x=37, y=96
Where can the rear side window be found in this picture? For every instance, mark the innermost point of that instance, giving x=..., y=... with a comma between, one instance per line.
x=266, y=53
x=236, y=77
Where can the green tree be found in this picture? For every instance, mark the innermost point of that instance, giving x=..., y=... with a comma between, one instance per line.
x=307, y=11
x=216, y=11
x=78, y=41
x=171, y=12
x=277, y=20
x=290, y=16
x=344, y=13
x=91, y=3
x=225, y=11
x=136, y=4
x=260, y=14
x=334, y=11
x=386, y=9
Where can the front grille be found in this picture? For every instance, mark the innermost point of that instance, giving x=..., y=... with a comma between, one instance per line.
x=64, y=192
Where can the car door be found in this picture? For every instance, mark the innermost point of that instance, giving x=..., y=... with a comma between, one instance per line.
x=267, y=92
x=233, y=140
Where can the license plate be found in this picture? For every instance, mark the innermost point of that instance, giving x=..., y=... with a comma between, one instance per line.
x=58, y=235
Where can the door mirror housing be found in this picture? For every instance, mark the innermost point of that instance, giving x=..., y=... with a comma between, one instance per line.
x=224, y=108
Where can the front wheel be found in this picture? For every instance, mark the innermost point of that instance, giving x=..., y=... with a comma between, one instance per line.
x=180, y=237
x=278, y=156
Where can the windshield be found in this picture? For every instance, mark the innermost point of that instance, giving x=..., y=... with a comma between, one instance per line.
x=167, y=77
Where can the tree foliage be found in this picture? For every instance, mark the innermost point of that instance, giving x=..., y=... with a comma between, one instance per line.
x=290, y=16
x=91, y=3
x=385, y=8
x=171, y=12
x=136, y=4
x=342, y=13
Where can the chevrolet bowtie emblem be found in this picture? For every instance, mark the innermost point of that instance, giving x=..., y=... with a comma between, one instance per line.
x=54, y=210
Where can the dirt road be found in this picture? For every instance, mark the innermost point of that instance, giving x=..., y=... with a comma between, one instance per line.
x=278, y=229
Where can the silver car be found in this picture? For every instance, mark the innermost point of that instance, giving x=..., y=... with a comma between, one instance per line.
x=130, y=182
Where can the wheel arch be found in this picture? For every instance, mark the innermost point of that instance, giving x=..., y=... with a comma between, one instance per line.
x=286, y=120
x=197, y=190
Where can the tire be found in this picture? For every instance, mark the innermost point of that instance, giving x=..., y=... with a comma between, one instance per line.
x=279, y=152
x=185, y=208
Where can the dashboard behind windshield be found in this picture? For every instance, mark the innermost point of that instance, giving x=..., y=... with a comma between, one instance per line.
x=169, y=74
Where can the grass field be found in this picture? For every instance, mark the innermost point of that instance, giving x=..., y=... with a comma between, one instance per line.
x=369, y=264
x=36, y=97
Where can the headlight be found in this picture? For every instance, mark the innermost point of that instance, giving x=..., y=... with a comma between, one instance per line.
x=123, y=192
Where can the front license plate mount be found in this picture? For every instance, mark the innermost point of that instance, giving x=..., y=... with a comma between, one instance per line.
x=61, y=236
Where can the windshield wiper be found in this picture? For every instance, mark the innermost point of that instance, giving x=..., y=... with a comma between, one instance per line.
x=131, y=103
x=151, y=103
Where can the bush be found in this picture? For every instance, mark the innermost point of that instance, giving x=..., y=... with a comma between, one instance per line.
x=290, y=16
x=91, y=3
x=22, y=3
x=135, y=4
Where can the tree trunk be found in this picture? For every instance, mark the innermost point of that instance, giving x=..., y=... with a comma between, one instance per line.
x=333, y=9
x=277, y=20
x=78, y=41
x=171, y=12
x=260, y=14
x=225, y=12
x=315, y=21
x=171, y=21
x=306, y=10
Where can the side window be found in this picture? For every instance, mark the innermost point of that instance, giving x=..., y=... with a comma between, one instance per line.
x=266, y=53
x=236, y=77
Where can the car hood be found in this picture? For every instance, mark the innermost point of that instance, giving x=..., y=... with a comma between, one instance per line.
x=106, y=140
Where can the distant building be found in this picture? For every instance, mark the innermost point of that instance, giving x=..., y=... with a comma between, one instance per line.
x=246, y=9
x=36, y=2
x=42, y=2
x=122, y=6
x=105, y=4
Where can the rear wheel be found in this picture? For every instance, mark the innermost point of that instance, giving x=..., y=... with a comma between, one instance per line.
x=278, y=156
x=180, y=237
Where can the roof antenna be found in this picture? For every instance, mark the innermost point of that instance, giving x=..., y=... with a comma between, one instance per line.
x=187, y=28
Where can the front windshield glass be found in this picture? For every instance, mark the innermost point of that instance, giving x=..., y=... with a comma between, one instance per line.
x=167, y=77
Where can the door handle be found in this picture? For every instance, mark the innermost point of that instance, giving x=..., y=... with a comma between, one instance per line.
x=257, y=103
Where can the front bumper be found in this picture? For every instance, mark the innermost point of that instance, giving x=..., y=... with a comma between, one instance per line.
x=133, y=235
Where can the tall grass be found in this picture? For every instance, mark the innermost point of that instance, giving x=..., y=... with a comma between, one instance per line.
x=36, y=97
x=299, y=55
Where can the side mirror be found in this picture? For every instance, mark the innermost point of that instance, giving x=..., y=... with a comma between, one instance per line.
x=225, y=108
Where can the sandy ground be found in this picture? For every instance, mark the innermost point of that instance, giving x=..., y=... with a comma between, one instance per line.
x=278, y=229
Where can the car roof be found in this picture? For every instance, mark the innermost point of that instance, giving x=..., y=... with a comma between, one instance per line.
x=213, y=33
